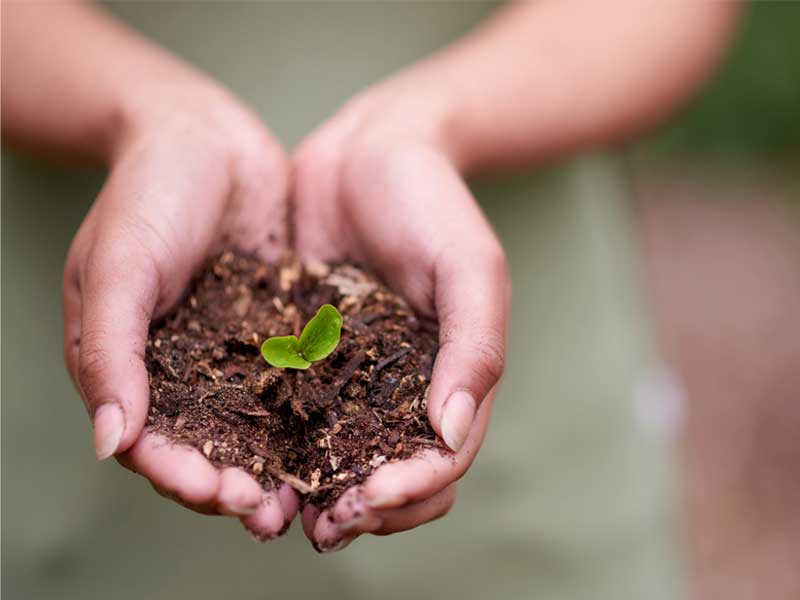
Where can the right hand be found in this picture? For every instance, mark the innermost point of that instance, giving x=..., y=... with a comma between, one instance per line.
x=378, y=185
x=190, y=169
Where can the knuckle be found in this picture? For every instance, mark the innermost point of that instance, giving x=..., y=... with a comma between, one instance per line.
x=308, y=154
x=374, y=159
x=496, y=260
x=491, y=358
x=304, y=169
x=128, y=257
x=93, y=363
x=315, y=165
x=446, y=506
x=73, y=260
x=263, y=161
x=70, y=348
x=273, y=170
x=108, y=258
x=484, y=352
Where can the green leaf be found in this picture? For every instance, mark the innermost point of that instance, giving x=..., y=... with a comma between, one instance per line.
x=319, y=338
x=283, y=352
x=321, y=334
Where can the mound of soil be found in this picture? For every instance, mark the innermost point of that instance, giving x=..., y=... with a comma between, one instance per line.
x=322, y=430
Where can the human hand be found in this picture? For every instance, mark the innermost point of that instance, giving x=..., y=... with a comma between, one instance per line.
x=378, y=184
x=190, y=169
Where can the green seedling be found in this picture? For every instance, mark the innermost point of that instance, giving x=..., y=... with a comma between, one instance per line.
x=319, y=338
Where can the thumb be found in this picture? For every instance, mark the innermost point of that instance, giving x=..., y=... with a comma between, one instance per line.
x=119, y=289
x=472, y=301
x=132, y=257
x=446, y=234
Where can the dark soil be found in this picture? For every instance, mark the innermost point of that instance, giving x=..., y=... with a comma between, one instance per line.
x=322, y=430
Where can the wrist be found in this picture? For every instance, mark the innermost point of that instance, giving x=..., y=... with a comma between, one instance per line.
x=186, y=105
x=407, y=110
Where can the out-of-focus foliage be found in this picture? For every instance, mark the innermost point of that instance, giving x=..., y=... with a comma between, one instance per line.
x=751, y=109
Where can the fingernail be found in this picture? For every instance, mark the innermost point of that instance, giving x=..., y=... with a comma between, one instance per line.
x=109, y=424
x=261, y=538
x=457, y=417
x=234, y=510
x=340, y=545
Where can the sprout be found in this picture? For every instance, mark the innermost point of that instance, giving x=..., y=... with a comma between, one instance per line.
x=319, y=338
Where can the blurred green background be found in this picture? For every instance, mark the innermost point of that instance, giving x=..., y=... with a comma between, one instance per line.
x=593, y=515
x=750, y=112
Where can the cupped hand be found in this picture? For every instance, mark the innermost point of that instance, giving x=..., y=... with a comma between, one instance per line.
x=190, y=169
x=379, y=186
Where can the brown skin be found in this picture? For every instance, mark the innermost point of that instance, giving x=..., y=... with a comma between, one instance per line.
x=387, y=168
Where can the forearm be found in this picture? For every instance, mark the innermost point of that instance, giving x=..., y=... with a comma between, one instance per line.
x=542, y=79
x=74, y=78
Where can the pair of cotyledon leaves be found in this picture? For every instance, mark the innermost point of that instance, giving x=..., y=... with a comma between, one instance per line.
x=318, y=339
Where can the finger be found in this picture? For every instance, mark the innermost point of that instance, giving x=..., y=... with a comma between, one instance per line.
x=239, y=495
x=395, y=520
x=351, y=509
x=290, y=502
x=269, y=520
x=309, y=519
x=326, y=536
x=274, y=515
x=330, y=534
x=179, y=472
x=352, y=513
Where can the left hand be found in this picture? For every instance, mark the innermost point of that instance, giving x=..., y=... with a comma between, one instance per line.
x=193, y=170
x=376, y=185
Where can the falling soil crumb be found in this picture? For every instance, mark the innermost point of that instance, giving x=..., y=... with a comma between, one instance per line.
x=322, y=430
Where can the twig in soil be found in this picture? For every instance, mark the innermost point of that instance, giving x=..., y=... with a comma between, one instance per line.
x=294, y=481
x=250, y=413
x=167, y=368
x=296, y=401
x=258, y=450
x=424, y=441
x=187, y=372
x=213, y=392
x=385, y=362
x=345, y=375
x=371, y=317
